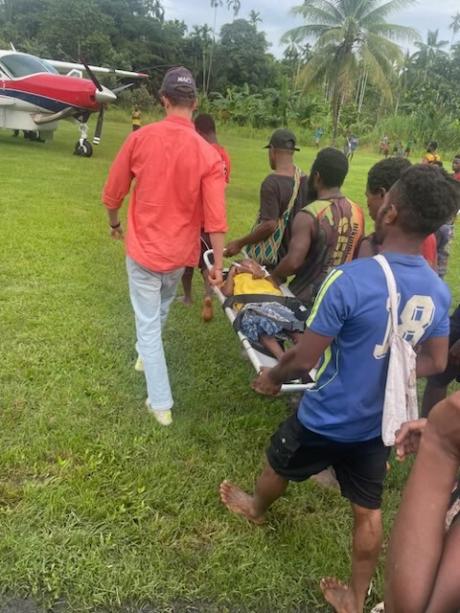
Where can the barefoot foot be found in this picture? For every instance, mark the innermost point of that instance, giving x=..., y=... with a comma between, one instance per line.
x=207, y=313
x=239, y=502
x=185, y=300
x=338, y=595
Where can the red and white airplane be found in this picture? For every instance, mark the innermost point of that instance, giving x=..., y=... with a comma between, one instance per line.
x=34, y=96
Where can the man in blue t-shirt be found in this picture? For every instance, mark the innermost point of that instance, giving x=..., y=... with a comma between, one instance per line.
x=338, y=422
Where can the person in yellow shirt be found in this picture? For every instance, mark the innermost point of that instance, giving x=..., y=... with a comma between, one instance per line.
x=265, y=322
x=136, y=118
x=431, y=156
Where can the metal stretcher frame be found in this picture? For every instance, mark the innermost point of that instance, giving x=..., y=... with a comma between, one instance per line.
x=258, y=360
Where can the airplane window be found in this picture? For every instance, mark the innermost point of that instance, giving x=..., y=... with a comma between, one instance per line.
x=22, y=65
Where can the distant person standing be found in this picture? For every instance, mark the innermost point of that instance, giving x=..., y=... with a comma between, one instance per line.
x=347, y=146
x=408, y=149
x=282, y=194
x=136, y=118
x=179, y=188
x=354, y=142
x=456, y=167
x=318, y=136
x=385, y=146
x=206, y=128
x=444, y=237
x=398, y=149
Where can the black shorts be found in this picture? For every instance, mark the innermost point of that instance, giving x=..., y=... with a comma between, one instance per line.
x=296, y=454
x=452, y=371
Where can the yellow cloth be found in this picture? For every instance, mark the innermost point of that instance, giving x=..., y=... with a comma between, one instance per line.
x=136, y=118
x=432, y=157
x=244, y=283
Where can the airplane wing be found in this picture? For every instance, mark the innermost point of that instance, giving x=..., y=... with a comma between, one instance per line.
x=63, y=67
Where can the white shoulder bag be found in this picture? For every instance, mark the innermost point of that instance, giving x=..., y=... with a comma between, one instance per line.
x=401, y=385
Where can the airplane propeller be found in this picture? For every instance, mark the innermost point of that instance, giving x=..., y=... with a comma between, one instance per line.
x=92, y=76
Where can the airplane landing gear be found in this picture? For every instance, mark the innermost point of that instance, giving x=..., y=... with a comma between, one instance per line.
x=83, y=148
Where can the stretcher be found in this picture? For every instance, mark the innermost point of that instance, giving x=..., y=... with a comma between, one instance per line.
x=258, y=359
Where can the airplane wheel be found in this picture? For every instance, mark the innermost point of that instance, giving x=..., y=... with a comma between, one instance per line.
x=84, y=150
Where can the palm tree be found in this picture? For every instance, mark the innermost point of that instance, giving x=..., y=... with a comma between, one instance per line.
x=254, y=18
x=455, y=24
x=352, y=39
x=297, y=54
x=427, y=54
x=233, y=5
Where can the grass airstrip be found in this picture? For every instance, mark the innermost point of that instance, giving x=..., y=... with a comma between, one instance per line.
x=100, y=508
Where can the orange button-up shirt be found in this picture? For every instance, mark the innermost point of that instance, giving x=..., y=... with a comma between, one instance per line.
x=179, y=183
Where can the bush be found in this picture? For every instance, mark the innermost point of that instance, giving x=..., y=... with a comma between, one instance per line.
x=140, y=96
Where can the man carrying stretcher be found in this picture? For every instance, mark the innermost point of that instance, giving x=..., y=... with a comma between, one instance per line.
x=339, y=420
x=326, y=232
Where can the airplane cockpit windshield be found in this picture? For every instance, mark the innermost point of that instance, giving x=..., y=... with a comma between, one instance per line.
x=23, y=65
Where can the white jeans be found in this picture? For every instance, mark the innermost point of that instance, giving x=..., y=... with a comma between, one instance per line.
x=151, y=295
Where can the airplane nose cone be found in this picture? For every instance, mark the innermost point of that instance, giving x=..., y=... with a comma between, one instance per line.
x=105, y=96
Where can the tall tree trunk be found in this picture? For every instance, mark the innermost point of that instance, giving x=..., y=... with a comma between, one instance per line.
x=204, y=72
x=337, y=102
x=362, y=91
x=297, y=74
x=211, y=53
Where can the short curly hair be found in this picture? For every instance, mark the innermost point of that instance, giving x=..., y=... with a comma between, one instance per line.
x=332, y=166
x=426, y=197
x=204, y=124
x=385, y=173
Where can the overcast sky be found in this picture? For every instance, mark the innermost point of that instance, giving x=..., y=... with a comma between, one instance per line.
x=424, y=15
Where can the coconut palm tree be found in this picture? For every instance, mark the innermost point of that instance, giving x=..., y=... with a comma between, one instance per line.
x=430, y=51
x=254, y=18
x=353, y=39
x=455, y=24
x=233, y=5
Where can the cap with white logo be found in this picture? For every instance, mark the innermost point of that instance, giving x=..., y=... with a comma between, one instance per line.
x=178, y=82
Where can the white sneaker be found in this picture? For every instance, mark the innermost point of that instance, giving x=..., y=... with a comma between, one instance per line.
x=139, y=365
x=163, y=417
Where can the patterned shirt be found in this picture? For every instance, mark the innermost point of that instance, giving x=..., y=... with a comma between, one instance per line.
x=339, y=227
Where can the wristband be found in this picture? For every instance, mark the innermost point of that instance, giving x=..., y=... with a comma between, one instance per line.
x=116, y=226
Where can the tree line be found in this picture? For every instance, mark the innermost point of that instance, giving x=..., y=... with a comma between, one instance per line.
x=343, y=69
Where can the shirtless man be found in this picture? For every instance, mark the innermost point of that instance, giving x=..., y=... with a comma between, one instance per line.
x=422, y=553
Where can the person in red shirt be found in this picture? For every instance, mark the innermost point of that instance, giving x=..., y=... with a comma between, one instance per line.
x=206, y=128
x=381, y=177
x=179, y=186
x=430, y=251
x=456, y=167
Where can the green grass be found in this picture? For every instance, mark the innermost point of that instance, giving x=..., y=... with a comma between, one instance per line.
x=99, y=507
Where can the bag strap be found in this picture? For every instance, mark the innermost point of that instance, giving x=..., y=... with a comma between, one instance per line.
x=295, y=191
x=392, y=290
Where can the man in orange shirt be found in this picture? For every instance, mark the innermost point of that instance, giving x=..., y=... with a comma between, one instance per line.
x=179, y=184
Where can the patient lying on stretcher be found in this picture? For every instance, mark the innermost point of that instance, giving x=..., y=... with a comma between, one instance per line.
x=266, y=323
